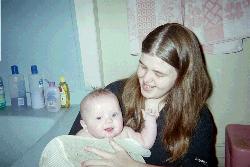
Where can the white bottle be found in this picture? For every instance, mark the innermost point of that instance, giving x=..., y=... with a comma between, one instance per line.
x=36, y=89
x=52, y=98
x=17, y=89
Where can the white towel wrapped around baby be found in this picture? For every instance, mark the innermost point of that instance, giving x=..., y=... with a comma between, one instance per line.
x=68, y=150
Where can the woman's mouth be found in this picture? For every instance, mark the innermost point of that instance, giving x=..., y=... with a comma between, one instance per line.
x=146, y=87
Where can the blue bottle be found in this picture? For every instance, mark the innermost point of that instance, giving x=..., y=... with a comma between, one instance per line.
x=17, y=89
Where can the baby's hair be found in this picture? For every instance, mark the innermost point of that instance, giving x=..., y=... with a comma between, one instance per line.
x=97, y=92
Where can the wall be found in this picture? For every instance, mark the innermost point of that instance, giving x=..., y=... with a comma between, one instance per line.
x=89, y=37
x=113, y=28
x=229, y=102
x=42, y=33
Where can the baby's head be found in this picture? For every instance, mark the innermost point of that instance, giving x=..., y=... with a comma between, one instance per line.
x=101, y=114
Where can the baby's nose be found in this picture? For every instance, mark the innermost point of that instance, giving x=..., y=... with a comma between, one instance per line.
x=109, y=120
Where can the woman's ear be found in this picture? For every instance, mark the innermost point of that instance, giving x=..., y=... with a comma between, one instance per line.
x=83, y=124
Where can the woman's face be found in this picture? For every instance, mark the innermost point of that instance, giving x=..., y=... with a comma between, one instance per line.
x=156, y=77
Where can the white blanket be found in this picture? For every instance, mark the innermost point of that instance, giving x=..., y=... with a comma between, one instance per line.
x=68, y=150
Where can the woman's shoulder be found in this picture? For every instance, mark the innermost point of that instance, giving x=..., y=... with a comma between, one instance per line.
x=205, y=114
x=116, y=86
x=206, y=129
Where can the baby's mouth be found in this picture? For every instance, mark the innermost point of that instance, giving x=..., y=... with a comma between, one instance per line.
x=108, y=129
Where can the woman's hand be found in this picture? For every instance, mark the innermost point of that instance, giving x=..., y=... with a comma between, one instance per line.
x=119, y=158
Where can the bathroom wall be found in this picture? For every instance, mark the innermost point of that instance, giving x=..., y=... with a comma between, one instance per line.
x=229, y=102
x=113, y=28
x=42, y=33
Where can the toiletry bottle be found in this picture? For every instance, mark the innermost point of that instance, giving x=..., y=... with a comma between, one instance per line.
x=36, y=89
x=17, y=89
x=52, y=98
x=2, y=95
x=64, y=93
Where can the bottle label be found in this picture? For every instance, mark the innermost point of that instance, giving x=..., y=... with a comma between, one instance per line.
x=2, y=96
x=1, y=90
x=51, y=99
x=40, y=83
x=20, y=101
x=2, y=99
x=63, y=98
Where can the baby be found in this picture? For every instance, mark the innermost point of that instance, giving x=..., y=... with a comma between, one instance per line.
x=102, y=118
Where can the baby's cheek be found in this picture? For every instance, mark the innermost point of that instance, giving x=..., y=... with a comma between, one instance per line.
x=120, y=126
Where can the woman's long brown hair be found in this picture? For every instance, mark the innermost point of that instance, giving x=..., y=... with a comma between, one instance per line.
x=179, y=47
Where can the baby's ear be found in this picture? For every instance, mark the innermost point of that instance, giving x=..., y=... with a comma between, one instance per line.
x=83, y=124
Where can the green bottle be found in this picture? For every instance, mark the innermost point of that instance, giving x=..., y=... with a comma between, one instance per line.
x=2, y=95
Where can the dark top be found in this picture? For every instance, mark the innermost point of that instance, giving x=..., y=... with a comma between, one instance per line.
x=201, y=152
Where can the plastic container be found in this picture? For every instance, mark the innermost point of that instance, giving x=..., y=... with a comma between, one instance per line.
x=2, y=95
x=17, y=89
x=36, y=89
x=52, y=98
x=64, y=93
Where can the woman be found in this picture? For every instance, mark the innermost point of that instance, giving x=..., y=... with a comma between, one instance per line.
x=172, y=78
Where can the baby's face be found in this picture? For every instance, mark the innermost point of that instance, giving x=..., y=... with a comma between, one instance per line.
x=103, y=117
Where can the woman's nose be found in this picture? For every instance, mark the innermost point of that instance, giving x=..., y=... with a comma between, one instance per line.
x=148, y=77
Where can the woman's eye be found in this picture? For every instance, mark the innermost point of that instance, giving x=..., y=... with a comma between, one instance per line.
x=114, y=115
x=98, y=118
x=143, y=67
x=160, y=74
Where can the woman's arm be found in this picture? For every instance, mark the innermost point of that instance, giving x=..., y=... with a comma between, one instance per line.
x=201, y=152
x=76, y=125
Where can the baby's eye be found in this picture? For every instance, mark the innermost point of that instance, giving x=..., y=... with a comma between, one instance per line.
x=114, y=115
x=98, y=118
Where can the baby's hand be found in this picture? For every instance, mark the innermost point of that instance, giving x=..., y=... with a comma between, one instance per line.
x=151, y=109
x=149, y=114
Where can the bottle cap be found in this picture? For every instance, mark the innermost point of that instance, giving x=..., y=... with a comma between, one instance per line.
x=14, y=69
x=62, y=79
x=34, y=69
x=51, y=84
x=1, y=81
